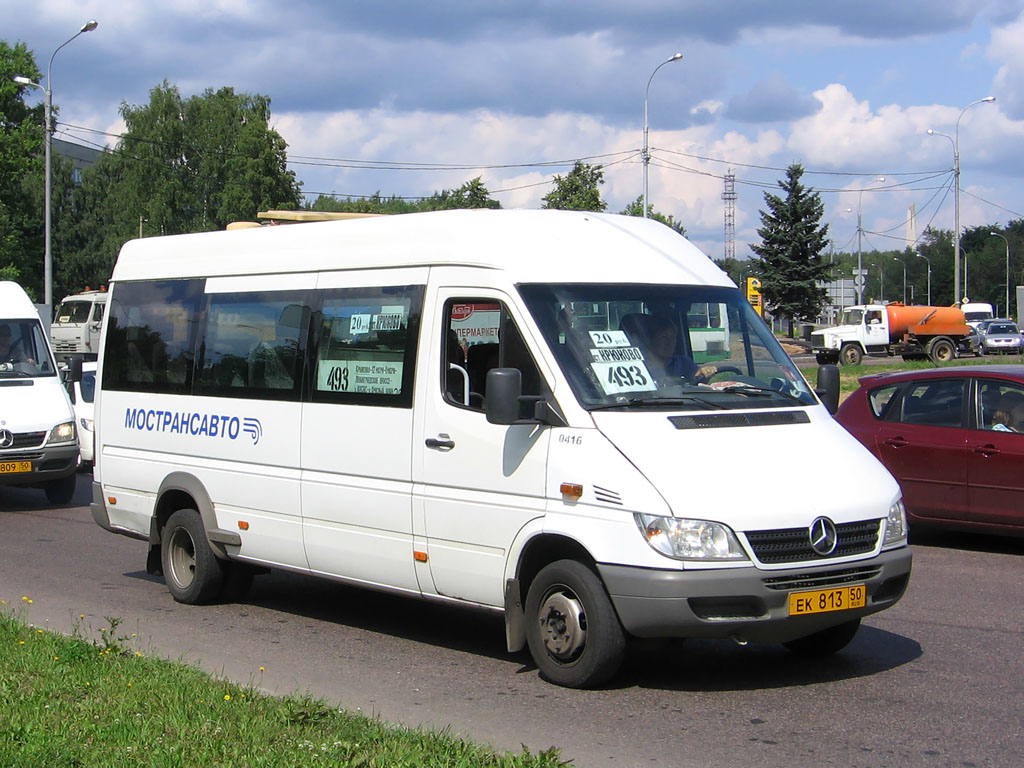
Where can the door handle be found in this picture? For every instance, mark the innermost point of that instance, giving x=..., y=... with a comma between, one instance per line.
x=896, y=442
x=441, y=443
x=986, y=450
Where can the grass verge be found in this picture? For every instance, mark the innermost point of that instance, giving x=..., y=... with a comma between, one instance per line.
x=83, y=702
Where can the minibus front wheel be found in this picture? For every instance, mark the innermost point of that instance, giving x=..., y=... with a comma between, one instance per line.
x=572, y=630
x=191, y=570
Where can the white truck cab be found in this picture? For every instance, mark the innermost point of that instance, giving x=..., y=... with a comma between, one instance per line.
x=575, y=420
x=77, y=324
x=38, y=439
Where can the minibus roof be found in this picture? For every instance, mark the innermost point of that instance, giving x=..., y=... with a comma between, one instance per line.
x=528, y=245
x=15, y=303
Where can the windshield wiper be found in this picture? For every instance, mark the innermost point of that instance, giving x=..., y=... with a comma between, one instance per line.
x=639, y=402
x=752, y=390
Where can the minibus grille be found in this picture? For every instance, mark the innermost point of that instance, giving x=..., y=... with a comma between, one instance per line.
x=793, y=545
x=24, y=440
x=823, y=578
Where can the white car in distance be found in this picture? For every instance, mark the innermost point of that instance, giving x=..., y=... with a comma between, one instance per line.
x=82, y=395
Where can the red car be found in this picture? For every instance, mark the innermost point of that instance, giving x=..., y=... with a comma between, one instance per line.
x=951, y=437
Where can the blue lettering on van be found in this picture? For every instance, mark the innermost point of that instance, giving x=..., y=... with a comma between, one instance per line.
x=193, y=423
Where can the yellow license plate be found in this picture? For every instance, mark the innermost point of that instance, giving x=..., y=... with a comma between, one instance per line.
x=825, y=600
x=10, y=467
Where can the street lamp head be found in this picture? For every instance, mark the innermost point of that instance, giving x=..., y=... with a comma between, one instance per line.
x=89, y=26
x=24, y=81
x=675, y=57
x=989, y=99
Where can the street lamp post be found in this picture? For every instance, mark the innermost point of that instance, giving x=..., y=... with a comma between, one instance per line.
x=901, y=261
x=860, y=231
x=996, y=234
x=922, y=256
x=955, y=139
x=646, y=154
x=89, y=26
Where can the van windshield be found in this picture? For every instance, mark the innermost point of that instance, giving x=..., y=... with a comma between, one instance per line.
x=73, y=312
x=664, y=346
x=24, y=352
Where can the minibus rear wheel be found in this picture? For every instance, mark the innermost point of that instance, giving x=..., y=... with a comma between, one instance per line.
x=572, y=630
x=193, y=573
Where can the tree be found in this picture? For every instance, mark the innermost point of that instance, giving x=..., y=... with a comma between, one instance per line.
x=577, y=190
x=182, y=165
x=636, y=208
x=21, y=170
x=472, y=194
x=789, y=259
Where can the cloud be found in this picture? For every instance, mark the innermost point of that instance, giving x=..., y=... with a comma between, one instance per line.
x=1006, y=50
x=772, y=99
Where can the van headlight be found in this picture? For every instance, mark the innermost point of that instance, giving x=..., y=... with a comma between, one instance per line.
x=86, y=424
x=62, y=433
x=895, y=526
x=690, y=539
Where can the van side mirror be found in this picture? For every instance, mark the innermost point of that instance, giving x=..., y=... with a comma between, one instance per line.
x=505, y=396
x=504, y=388
x=827, y=387
x=74, y=368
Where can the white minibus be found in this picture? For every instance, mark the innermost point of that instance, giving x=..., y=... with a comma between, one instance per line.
x=38, y=440
x=498, y=409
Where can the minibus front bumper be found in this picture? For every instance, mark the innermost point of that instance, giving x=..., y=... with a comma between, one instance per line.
x=47, y=463
x=747, y=604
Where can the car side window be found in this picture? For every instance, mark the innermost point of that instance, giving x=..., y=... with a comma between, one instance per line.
x=933, y=402
x=481, y=335
x=1000, y=406
x=882, y=401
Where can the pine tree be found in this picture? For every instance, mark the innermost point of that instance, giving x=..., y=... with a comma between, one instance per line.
x=789, y=259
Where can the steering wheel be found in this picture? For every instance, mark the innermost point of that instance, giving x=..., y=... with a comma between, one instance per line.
x=724, y=369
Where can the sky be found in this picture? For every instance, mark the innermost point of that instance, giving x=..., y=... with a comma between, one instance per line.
x=408, y=97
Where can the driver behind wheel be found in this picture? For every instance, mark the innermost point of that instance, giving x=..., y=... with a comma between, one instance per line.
x=662, y=348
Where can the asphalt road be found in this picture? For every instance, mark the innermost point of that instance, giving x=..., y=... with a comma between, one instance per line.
x=936, y=681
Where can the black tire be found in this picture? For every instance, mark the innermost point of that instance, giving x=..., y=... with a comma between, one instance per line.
x=572, y=630
x=827, y=641
x=237, y=581
x=850, y=354
x=192, y=572
x=61, y=491
x=941, y=351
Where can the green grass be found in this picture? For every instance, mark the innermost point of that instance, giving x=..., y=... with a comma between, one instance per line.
x=81, y=701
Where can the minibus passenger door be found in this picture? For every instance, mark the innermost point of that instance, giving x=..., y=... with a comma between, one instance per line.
x=476, y=484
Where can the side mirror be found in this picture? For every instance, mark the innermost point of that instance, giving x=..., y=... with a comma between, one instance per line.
x=504, y=388
x=827, y=387
x=74, y=368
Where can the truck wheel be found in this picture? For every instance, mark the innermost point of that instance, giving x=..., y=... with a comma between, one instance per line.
x=827, y=641
x=193, y=573
x=941, y=351
x=850, y=354
x=571, y=627
x=60, y=491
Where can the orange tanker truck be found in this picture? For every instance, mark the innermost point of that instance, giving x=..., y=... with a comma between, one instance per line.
x=915, y=332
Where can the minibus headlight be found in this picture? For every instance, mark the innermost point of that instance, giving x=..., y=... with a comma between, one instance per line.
x=86, y=424
x=896, y=525
x=62, y=433
x=690, y=539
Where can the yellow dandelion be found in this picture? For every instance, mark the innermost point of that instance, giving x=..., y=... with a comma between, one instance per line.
x=21, y=642
x=81, y=615
x=129, y=685
x=56, y=658
x=137, y=653
x=227, y=697
x=262, y=669
x=29, y=601
x=24, y=599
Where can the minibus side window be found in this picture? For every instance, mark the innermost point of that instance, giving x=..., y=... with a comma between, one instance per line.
x=366, y=346
x=481, y=335
x=254, y=344
x=151, y=336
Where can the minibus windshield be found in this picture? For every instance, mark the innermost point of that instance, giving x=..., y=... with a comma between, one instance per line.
x=682, y=347
x=24, y=352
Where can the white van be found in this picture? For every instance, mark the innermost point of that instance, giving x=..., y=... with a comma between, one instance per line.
x=473, y=407
x=38, y=443
x=77, y=324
